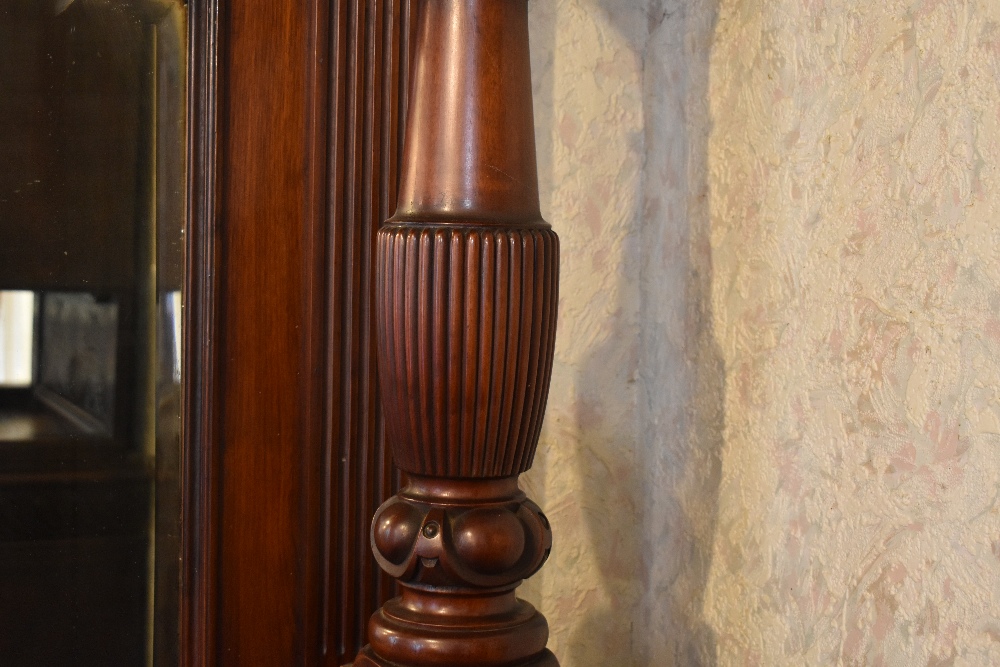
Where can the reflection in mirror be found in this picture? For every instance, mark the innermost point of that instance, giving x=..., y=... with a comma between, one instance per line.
x=17, y=327
x=92, y=102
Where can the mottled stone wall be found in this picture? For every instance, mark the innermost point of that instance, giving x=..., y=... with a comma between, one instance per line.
x=774, y=428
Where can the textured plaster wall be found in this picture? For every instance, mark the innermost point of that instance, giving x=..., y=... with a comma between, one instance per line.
x=628, y=467
x=587, y=65
x=854, y=192
x=773, y=434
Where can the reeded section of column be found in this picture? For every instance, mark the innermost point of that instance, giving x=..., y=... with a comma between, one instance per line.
x=466, y=299
x=465, y=341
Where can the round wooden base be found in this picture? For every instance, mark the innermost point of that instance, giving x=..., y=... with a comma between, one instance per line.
x=434, y=628
x=459, y=548
x=367, y=658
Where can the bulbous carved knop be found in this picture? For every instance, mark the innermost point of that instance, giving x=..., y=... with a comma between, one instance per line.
x=423, y=541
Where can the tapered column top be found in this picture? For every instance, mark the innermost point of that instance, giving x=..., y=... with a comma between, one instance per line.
x=469, y=148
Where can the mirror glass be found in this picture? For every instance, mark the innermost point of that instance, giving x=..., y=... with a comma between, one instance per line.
x=92, y=215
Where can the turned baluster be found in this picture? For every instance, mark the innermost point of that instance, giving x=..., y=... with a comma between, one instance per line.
x=466, y=299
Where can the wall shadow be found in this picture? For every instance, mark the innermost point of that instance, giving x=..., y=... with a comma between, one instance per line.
x=683, y=376
x=650, y=507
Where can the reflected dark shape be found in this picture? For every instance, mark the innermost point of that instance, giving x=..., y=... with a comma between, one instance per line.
x=77, y=359
x=91, y=224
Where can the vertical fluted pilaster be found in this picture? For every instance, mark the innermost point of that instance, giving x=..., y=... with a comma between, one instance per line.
x=466, y=305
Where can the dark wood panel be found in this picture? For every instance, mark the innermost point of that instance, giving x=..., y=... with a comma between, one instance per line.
x=370, y=48
x=296, y=116
x=266, y=378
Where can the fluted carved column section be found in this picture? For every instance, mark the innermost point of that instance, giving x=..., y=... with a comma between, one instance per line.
x=474, y=373
x=466, y=305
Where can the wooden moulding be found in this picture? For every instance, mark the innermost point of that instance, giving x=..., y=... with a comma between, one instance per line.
x=466, y=308
x=293, y=149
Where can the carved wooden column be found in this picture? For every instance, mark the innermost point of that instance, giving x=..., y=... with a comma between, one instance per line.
x=466, y=298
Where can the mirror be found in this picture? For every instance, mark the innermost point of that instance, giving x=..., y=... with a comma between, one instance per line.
x=92, y=217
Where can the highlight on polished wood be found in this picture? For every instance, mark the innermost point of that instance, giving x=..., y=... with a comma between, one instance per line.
x=466, y=296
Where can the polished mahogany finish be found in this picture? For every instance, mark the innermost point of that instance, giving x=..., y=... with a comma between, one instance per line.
x=296, y=137
x=296, y=115
x=469, y=152
x=465, y=344
x=459, y=548
x=466, y=303
x=369, y=48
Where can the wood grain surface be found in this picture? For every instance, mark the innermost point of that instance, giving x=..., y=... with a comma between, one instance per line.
x=296, y=124
x=466, y=310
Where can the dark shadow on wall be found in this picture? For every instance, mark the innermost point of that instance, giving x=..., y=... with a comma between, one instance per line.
x=593, y=611
x=683, y=377
x=653, y=530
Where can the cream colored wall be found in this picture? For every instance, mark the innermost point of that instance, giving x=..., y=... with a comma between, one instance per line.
x=588, y=96
x=773, y=434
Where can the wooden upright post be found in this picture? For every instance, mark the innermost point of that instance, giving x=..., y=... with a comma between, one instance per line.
x=466, y=298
